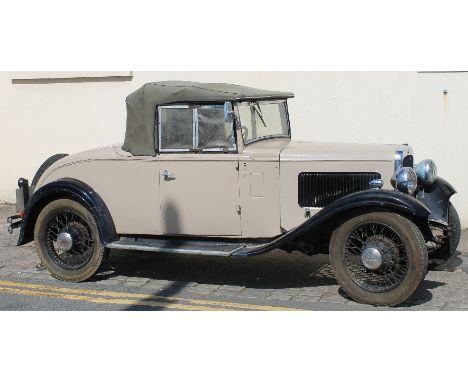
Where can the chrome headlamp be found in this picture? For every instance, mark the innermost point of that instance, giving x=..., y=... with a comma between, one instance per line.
x=405, y=180
x=426, y=171
x=403, y=157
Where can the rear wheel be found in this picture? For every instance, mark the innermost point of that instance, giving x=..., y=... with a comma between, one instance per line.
x=378, y=258
x=67, y=241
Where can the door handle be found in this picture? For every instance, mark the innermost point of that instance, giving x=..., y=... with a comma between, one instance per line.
x=167, y=175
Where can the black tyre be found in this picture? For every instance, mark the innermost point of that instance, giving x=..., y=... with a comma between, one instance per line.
x=44, y=166
x=379, y=258
x=67, y=241
x=440, y=255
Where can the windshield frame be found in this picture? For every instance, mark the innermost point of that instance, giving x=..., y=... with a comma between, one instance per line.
x=265, y=137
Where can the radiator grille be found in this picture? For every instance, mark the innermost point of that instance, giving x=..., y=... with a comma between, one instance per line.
x=318, y=189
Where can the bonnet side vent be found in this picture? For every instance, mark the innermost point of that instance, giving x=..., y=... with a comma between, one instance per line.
x=318, y=189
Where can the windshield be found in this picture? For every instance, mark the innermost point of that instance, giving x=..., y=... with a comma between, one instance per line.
x=263, y=120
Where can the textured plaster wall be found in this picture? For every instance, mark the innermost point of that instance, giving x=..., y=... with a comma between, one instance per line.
x=385, y=107
x=40, y=117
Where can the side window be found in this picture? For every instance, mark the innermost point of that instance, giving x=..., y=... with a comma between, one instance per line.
x=176, y=128
x=195, y=128
x=213, y=132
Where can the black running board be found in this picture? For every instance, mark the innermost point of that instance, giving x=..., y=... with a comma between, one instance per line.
x=181, y=246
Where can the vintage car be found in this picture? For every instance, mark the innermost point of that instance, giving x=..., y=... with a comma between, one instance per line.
x=210, y=169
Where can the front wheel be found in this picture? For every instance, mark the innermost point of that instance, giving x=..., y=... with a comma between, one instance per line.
x=439, y=255
x=67, y=241
x=378, y=258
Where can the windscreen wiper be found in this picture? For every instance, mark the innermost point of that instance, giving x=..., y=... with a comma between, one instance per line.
x=256, y=108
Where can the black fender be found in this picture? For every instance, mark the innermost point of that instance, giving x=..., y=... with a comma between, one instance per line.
x=71, y=189
x=436, y=197
x=370, y=200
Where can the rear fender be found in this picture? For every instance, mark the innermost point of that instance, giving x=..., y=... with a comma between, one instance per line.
x=71, y=189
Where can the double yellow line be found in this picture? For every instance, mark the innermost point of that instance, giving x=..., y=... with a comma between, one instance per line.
x=128, y=299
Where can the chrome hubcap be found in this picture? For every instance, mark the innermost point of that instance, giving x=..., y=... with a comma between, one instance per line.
x=64, y=241
x=372, y=258
x=69, y=240
x=376, y=257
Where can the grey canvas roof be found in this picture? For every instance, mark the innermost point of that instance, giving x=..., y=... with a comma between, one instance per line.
x=142, y=104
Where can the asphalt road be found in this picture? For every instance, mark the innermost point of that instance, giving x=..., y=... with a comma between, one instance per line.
x=142, y=281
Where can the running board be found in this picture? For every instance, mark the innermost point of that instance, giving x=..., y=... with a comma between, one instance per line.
x=189, y=247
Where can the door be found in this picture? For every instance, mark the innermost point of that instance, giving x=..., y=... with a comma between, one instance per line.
x=199, y=172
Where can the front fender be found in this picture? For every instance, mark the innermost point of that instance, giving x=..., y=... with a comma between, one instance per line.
x=393, y=201
x=436, y=198
x=72, y=189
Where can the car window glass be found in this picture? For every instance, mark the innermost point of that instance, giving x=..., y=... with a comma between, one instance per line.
x=263, y=119
x=195, y=127
x=246, y=123
x=273, y=122
x=176, y=125
x=213, y=132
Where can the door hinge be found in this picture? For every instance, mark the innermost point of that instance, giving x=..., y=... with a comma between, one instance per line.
x=238, y=209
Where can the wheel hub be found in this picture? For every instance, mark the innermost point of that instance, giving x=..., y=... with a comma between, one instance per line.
x=376, y=257
x=65, y=241
x=372, y=258
x=378, y=250
x=69, y=240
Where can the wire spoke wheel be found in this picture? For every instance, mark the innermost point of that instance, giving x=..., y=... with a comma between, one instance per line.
x=376, y=257
x=379, y=258
x=69, y=240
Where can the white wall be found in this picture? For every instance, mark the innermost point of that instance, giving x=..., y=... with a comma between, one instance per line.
x=385, y=107
x=40, y=118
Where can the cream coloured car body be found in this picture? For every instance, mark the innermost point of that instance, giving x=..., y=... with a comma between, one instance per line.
x=300, y=157
x=249, y=194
